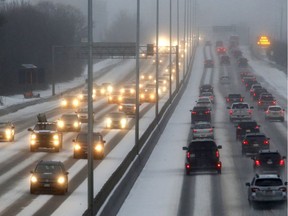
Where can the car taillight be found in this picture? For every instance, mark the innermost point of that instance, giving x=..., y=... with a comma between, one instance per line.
x=242, y=80
x=254, y=94
x=230, y=112
x=267, y=112
x=257, y=163
x=282, y=162
x=241, y=99
x=250, y=112
x=245, y=142
x=283, y=189
x=239, y=127
x=217, y=154
x=274, y=102
x=219, y=165
x=257, y=127
x=188, y=154
x=259, y=102
x=207, y=112
x=194, y=113
x=187, y=166
x=266, y=142
x=210, y=130
x=194, y=131
x=254, y=189
x=227, y=99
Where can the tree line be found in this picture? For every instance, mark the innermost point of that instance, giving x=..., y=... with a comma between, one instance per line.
x=27, y=35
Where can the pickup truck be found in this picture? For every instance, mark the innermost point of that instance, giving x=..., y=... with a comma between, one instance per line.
x=240, y=111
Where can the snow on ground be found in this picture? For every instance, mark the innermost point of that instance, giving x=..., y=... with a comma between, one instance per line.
x=157, y=189
x=59, y=87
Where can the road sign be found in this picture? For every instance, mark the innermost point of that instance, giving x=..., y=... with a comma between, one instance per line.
x=263, y=41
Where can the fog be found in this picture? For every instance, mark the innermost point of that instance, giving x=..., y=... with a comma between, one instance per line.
x=258, y=16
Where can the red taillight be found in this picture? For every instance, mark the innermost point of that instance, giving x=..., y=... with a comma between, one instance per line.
x=194, y=131
x=259, y=102
x=207, y=112
x=254, y=94
x=274, y=102
x=267, y=112
x=257, y=163
x=245, y=142
x=194, y=113
x=250, y=112
x=241, y=99
x=282, y=162
x=188, y=154
x=211, y=130
x=217, y=154
x=283, y=189
x=227, y=99
x=230, y=112
x=254, y=189
x=257, y=127
x=266, y=142
x=238, y=127
x=219, y=165
x=187, y=166
x=242, y=80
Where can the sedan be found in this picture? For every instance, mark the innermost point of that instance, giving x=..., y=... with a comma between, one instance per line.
x=116, y=120
x=202, y=130
x=275, y=113
x=7, y=131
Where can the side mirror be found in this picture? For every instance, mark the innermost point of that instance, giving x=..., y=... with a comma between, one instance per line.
x=219, y=146
x=185, y=148
x=29, y=129
x=247, y=184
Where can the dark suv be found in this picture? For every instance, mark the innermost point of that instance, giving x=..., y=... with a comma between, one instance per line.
x=254, y=142
x=267, y=161
x=200, y=113
x=233, y=98
x=202, y=155
x=246, y=126
x=206, y=88
x=81, y=145
x=49, y=176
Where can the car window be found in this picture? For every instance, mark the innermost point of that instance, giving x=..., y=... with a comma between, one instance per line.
x=51, y=127
x=48, y=168
x=240, y=106
x=268, y=182
x=269, y=156
x=202, y=126
x=275, y=109
x=248, y=124
x=255, y=138
x=202, y=146
x=84, y=138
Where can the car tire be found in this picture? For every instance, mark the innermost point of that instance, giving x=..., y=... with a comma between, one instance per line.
x=187, y=172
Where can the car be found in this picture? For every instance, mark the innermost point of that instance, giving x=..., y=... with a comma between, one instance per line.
x=208, y=63
x=257, y=92
x=69, y=122
x=200, y=113
x=148, y=95
x=202, y=130
x=268, y=161
x=221, y=50
x=233, y=98
x=206, y=88
x=247, y=77
x=208, y=94
x=245, y=72
x=224, y=60
x=147, y=77
x=83, y=96
x=104, y=89
x=249, y=83
x=7, y=131
x=115, y=98
x=49, y=176
x=116, y=120
x=128, y=106
x=45, y=134
x=70, y=101
x=246, y=126
x=267, y=188
x=204, y=101
x=252, y=143
x=242, y=62
x=82, y=114
x=240, y=111
x=80, y=145
x=202, y=155
x=275, y=113
x=225, y=80
x=265, y=100
x=128, y=90
x=254, y=87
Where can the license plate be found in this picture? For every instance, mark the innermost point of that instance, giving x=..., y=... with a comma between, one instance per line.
x=255, y=144
x=248, y=130
x=269, y=192
x=46, y=185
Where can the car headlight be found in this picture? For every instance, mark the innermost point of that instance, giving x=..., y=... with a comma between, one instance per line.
x=64, y=103
x=122, y=91
x=120, y=107
x=152, y=96
x=81, y=96
x=76, y=124
x=110, y=89
x=8, y=133
x=98, y=148
x=102, y=91
x=123, y=123
x=75, y=102
x=142, y=96
x=56, y=137
x=77, y=147
x=108, y=121
x=60, y=124
x=33, y=179
x=33, y=136
x=61, y=180
x=132, y=91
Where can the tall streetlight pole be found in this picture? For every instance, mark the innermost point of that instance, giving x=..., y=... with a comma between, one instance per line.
x=137, y=78
x=170, y=54
x=185, y=39
x=90, y=112
x=157, y=60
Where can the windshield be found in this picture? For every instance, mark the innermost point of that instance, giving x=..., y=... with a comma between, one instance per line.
x=51, y=127
x=48, y=168
x=268, y=182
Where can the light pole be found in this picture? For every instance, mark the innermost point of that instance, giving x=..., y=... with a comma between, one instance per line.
x=90, y=112
x=157, y=59
x=170, y=53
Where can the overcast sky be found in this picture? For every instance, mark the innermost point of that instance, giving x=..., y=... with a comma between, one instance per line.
x=261, y=16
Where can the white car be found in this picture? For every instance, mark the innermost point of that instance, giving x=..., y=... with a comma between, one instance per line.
x=275, y=113
x=202, y=130
x=204, y=101
x=208, y=94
